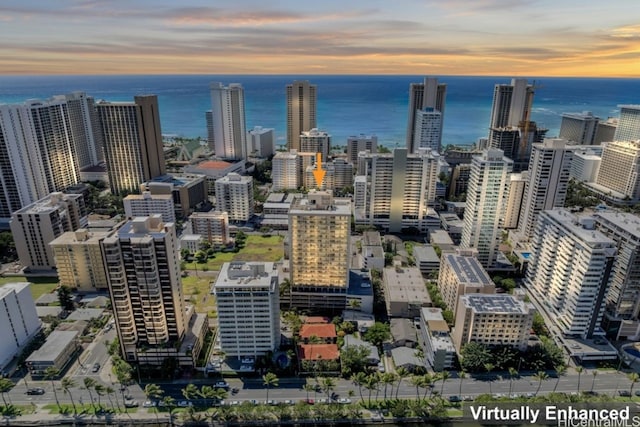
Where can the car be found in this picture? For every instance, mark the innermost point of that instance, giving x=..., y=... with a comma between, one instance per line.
x=234, y=403
x=455, y=399
x=637, y=393
x=344, y=400
x=96, y=368
x=222, y=385
x=467, y=398
x=35, y=391
x=271, y=402
x=149, y=404
x=184, y=404
x=624, y=393
x=309, y=401
x=322, y=400
x=129, y=403
x=289, y=402
x=234, y=391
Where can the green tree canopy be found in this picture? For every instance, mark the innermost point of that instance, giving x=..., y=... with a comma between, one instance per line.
x=378, y=333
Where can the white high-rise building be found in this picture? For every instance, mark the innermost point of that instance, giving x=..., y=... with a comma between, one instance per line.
x=579, y=127
x=228, y=120
x=248, y=305
x=213, y=226
x=486, y=204
x=19, y=321
x=78, y=259
x=428, y=94
x=38, y=224
x=85, y=127
x=517, y=184
x=569, y=271
x=549, y=173
x=629, y=123
x=260, y=142
x=234, y=195
x=356, y=144
x=285, y=173
x=143, y=269
x=316, y=141
x=585, y=165
x=301, y=111
x=147, y=204
x=619, y=171
x=400, y=187
x=428, y=130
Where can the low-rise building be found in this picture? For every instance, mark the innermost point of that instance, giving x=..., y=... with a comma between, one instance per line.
x=441, y=239
x=439, y=351
x=360, y=291
x=275, y=210
x=212, y=226
x=191, y=242
x=452, y=224
x=407, y=358
x=405, y=291
x=426, y=258
x=146, y=204
x=352, y=341
x=403, y=333
x=56, y=352
x=189, y=191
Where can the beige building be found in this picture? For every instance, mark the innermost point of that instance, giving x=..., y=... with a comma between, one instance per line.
x=356, y=144
x=79, y=260
x=493, y=320
x=320, y=236
x=316, y=141
x=517, y=183
x=212, y=226
x=405, y=292
x=234, y=194
x=146, y=204
x=461, y=273
x=38, y=224
x=301, y=111
x=619, y=171
x=286, y=174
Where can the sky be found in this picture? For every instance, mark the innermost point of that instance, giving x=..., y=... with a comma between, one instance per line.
x=436, y=37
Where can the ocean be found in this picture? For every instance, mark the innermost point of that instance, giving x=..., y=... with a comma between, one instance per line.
x=347, y=104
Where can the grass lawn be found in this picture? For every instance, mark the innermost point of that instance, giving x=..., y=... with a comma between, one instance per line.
x=257, y=248
x=198, y=289
x=39, y=285
x=87, y=408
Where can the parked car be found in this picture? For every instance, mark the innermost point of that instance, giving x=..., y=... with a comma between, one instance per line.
x=129, y=403
x=184, y=404
x=149, y=404
x=624, y=393
x=455, y=399
x=36, y=391
x=344, y=400
x=96, y=368
x=222, y=384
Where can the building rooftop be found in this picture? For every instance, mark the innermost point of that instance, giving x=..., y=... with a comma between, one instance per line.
x=327, y=330
x=246, y=274
x=214, y=164
x=9, y=288
x=467, y=269
x=143, y=226
x=626, y=221
x=79, y=237
x=425, y=254
x=498, y=303
x=405, y=356
x=316, y=319
x=85, y=314
x=352, y=341
x=56, y=343
x=403, y=330
x=405, y=284
x=582, y=227
x=440, y=237
x=371, y=238
x=49, y=203
x=359, y=283
x=318, y=352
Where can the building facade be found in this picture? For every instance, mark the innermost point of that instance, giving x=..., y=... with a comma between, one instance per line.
x=19, y=322
x=286, y=174
x=316, y=141
x=212, y=226
x=427, y=134
x=628, y=128
x=356, y=144
x=579, y=127
x=301, y=111
x=428, y=94
x=228, y=121
x=619, y=171
x=234, y=195
x=261, y=142
x=146, y=204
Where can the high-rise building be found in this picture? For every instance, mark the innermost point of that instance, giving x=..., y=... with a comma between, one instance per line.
x=510, y=128
x=623, y=298
x=248, y=305
x=228, y=121
x=579, y=127
x=569, y=271
x=285, y=173
x=493, y=320
x=85, y=128
x=428, y=94
x=549, y=172
x=38, y=224
x=585, y=165
x=461, y=273
x=319, y=238
x=356, y=144
x=78, y=260
x=189, y=191
x=213, y=226
x=143, y=269
x=517, y=184
x=427, y=133
x=338, y=175
x=260, y=142
x=146, y=204
x=19, y=322
x=628, y=124
x=234, y=195
x=486, y=204
x=606, y=130
x=316, y=141
x=132, y=140
x=619, y=171
x=399, y=189
x=301, y=111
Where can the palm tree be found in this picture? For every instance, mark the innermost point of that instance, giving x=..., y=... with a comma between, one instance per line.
x=387, y=379
x=579, y=370
x=560, y=370
x=190, y=391
x=513, y=372
x=5, y=385
x=462, y=375
x=153, y=392
x=358, y=379
x=427, y=381
x=444, y=376
x=67, y=384
x=206, y=392
x=634, y=377
x=270, y=379
x=540, y=376
x=109, y=391
x=170, y=403
x=593, y=381
x=402, y=374
x=371, y=383
x=328, y=385
x=417, y=381
x=489, y=367
x=51, y=373
x=89, y=384
x=100, y=390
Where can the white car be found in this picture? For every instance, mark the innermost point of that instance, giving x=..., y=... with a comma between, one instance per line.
x=129, y=403
x=149, y=404
x=344, y=400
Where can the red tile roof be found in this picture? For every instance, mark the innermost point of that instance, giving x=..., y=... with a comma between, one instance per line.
x=316, y=319
x=319, y=352
x=214, y=164
x=327, y=330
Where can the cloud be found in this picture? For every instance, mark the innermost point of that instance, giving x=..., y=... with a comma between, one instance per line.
x=627, y=32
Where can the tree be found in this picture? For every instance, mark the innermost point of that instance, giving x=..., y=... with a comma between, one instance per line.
x=190, y=391
x=402, y=374
x=462, y=375
x=634, y=377
x=593, y=381
x=310, y=387
x=89, y=384
x=65, y=298
x=358, y=379
x=170, y=403
x=387, y=379
x=100, y=391
x=513, y=372
x=417, y=381
x=270, y=380
x=153, y=392
x=560, y=370
x=328, y=385
x=540, y=376
x=489, y=367
x=353, y=359
x=111, y=391
x=51, y=373
x=67, y=384
x=579, y=370
x=5, y=385
x=474, y=357
x=371, y=383
x=378, y=333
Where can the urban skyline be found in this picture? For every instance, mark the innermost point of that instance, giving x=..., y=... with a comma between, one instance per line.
x=490, y=37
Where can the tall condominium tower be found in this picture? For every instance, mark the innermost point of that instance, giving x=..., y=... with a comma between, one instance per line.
x=486, y=204
x=356, y=144
x=301, y=111
x=399, y=189
x=85, y=127
x=428, y=94
x=228, y=121
x=428, y=131
x=569, y=272
x=316, y=141
x=132, y=140
x=286, y=173
x=629, y=123
x=319, y=237
x=143, y=270
x=510, y=128
x=579, y=127
x=623, y=298
x=19, y=322
x=619, y=172
x=260, y=142
x=549, y=172
x=38, y=224
x=234, y=195
x=517, y=185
